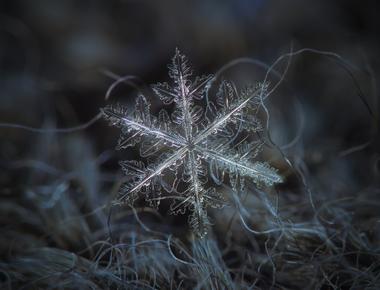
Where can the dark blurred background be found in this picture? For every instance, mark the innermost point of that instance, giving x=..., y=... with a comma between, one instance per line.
x=58, y=58
x=52, y=52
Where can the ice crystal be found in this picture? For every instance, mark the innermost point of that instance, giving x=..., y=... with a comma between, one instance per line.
x=183, y=149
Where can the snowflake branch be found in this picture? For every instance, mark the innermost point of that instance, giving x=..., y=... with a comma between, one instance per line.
x=224, y=118
x=257, y=171
x=157, y=171
x=120, y=119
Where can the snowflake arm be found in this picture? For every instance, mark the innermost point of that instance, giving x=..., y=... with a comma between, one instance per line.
x=118, y=116
x=257, y=171
x=233, y=110
x=145, y=178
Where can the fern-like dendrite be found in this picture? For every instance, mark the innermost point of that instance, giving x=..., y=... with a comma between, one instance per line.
x=193, y=146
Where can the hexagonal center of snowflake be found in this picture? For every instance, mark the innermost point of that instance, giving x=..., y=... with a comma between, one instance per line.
x=190, y=145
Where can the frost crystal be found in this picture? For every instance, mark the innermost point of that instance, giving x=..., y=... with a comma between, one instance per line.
x=183, y=149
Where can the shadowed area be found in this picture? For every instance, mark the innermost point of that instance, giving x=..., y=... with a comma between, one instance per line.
x=61, y=224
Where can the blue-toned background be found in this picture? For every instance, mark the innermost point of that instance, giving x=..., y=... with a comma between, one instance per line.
x=57, y=60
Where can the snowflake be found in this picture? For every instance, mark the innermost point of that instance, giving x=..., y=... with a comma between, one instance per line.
x=183, y=149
